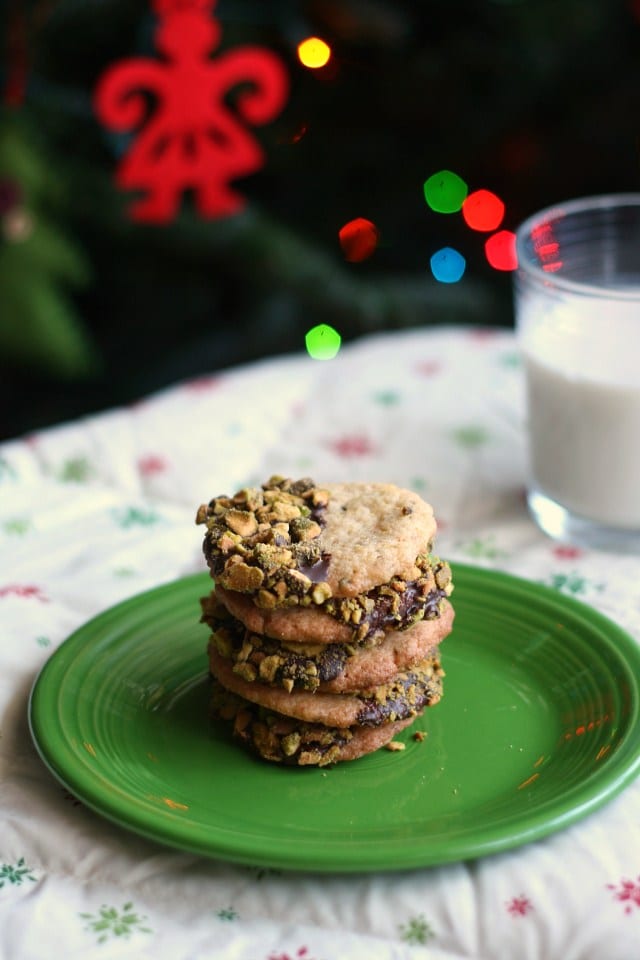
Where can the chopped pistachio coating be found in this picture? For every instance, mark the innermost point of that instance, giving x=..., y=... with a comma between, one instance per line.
x=260, y=541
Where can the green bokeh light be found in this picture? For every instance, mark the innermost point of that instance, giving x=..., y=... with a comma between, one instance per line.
x=322, y=342
x=445, y=192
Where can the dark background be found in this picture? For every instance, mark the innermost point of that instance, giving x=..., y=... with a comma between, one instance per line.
x=536, y=100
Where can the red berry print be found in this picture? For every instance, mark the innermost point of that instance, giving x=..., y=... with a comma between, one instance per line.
x=627, y=892
x=302, y=953
x=519, y=906
x=23, y=590
x=428, y=368
x=352, y=445
x=566, y=552
x=151, y=464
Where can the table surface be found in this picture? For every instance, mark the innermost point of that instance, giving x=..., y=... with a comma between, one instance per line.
x=98, y=510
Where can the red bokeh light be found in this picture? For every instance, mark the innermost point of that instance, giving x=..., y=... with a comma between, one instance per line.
x=358, y=239
x=500, y=250
x=483, y=210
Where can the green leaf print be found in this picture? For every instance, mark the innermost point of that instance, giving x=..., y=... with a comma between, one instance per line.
x=14, y=874
x=135, y=517
x=75, y=470
x=470, y=436
x=573, y=583
x=227, y=913
x=387, y=398
x=110, y=922
x=16, y=526
x=416, y=931
x=482, y=547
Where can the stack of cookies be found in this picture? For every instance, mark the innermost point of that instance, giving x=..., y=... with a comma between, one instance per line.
x=326, y=616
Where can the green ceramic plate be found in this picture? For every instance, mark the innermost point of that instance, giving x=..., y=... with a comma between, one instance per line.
x=537, y=728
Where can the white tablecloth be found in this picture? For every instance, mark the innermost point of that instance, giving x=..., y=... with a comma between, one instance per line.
x=97, y=510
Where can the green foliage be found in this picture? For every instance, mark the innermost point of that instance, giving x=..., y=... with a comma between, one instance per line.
x=39, y=263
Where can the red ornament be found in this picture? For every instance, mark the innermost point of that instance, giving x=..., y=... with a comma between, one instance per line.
x=191, y=139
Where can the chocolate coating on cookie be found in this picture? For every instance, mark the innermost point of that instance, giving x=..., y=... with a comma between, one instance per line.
x=291, y=543
x=290, y=742
x=404, y=695
x=329, y=668
x=360, y=620
x=256, y=657
x=396, y=605
x=264, y=541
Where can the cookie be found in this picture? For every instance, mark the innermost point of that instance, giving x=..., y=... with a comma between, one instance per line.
x=290, y=541
x=291, y=742
x=327, y=614
x=405, y=695
x=361, y=619
x=326, y=667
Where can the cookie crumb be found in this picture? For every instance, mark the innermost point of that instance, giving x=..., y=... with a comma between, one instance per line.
x=395, y=746
x=419, y=735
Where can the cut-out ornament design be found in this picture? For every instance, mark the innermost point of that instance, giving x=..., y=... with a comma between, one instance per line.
x=188, y=135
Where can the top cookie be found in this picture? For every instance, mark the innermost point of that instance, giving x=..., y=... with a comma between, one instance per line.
x=293, y=542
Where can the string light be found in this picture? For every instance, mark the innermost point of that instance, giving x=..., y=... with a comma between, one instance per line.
x=482, y=210
x=447, y=265
x=314, y=53
x=500, y=250
x=358, y=239
x=322, y=342
x=445, y=192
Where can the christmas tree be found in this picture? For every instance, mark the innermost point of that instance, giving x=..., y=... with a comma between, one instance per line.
x=534, y=102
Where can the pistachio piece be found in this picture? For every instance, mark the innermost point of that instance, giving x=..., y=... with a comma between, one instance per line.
x=302, y=529
x=297, y=582
x=241, y=577
x=290, y=744
x=245, y=670
x=320, y=592
x=266, y=599
x=241, y=522
x=285, y=511
x=223, y=641
x=270, y=557
x=442, y=574
x=319, y=498
x=268, y=668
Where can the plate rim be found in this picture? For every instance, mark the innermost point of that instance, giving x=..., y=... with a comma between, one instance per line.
x=613, y=776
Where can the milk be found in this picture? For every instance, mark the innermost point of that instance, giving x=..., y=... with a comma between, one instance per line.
x=582, y=361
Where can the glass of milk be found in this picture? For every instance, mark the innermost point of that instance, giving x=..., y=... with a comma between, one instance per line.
x=577, y=300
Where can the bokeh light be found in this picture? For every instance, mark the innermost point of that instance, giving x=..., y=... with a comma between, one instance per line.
x=447, y=265
x=358, y=239
x=314, y=53
x=546, y=247
x=500, y=250
x=322, y=342
x=445, y=192
x=482, y=210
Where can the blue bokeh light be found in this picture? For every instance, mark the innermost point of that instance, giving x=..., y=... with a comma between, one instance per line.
x=447, y=265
